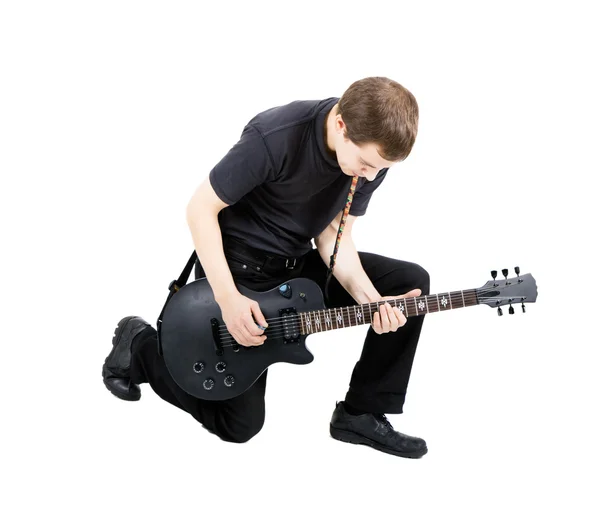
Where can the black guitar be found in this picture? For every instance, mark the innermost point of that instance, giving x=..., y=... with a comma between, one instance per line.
x=205, y=360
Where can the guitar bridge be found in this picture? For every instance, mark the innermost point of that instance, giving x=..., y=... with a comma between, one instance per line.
x=216, y=336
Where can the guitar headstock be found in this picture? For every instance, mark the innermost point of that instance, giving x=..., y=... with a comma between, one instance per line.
x=511, y=291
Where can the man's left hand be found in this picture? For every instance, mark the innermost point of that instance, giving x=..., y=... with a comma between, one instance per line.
x=390, y=318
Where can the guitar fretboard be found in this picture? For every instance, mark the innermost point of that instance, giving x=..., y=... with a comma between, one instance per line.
x=322, y=320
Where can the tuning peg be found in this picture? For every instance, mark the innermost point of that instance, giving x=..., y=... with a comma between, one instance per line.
x=494, y=275
x=499, y=311
x=523, y=306
x=505, y=274
x=518, y=272
x=511, y=310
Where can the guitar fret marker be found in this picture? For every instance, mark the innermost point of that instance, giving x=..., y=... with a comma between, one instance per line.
x=421, y=305
x=444, y=301
x=358, y=315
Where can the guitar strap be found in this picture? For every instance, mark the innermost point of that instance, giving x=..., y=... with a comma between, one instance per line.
x=339, y=235
x=174, y=287
x=176, y=284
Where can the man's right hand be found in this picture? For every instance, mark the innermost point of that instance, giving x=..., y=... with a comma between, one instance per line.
x=241, y=316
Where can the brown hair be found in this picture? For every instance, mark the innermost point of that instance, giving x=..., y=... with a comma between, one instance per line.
x=381, y=111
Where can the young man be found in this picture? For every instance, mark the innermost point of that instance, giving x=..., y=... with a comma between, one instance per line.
x=283, y=184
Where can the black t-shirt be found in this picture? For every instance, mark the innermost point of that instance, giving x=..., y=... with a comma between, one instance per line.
x=282, y=185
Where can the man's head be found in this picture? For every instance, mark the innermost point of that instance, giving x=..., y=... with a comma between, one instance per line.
x=373, y=126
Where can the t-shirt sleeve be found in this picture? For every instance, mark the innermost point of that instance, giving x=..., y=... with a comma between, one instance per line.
x=244, y=167
x=362, y=196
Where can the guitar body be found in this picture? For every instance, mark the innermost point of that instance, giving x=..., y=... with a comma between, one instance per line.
x=205, y=360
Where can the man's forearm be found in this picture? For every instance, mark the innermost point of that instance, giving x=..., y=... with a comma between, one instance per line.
x=347, y=270
x=208, y=242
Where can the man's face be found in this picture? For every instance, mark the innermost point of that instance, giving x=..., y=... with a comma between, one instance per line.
x=363, y=161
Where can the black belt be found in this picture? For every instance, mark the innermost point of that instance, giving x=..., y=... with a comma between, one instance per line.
x=261, y=260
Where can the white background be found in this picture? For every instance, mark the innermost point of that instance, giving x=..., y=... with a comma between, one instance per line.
x=112, y=113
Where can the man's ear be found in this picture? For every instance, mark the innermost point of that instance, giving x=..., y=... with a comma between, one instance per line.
x=340, y=124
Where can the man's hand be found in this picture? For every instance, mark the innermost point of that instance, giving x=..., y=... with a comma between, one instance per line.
x=390, y=318
x=241, y=316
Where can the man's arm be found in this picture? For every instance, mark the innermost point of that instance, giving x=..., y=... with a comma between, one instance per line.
x=202, y=217
x=238, y=311
x=348, y=269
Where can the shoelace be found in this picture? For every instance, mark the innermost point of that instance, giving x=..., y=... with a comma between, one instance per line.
x=384, y=420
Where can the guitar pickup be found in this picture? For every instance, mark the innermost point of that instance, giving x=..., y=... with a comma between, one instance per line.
x=290, y=324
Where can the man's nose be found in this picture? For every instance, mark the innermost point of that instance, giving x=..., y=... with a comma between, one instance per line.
x=367, y=174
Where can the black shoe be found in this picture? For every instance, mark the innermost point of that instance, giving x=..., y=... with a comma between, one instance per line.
x=376, y=431
x=115, y=370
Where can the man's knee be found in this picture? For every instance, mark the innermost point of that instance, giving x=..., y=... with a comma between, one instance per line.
x=422, y=280
x=240, y=434
x=415, y=277
x=238, y=426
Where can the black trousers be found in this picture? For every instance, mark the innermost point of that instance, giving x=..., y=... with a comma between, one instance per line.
x=379, y=379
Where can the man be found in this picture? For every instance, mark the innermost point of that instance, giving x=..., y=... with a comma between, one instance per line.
x=282, y=185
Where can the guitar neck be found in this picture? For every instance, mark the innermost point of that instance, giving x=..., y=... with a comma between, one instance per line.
x=322, y=320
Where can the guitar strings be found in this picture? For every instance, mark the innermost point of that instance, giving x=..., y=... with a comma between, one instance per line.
x=277, y=332
x=295, y=320
x=393, y=302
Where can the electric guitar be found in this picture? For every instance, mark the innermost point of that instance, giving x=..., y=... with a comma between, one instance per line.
x=207, y=362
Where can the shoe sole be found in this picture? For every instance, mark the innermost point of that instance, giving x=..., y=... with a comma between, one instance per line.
x=121, y=325
x=116, y=336
x=354, y=438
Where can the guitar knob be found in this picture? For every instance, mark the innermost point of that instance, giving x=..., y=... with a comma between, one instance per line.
x=208, y=384
x=220, y=367
x=229, y=380
x=198, y=367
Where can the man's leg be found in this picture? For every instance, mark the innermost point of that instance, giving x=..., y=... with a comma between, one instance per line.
x=136, y=354
x=381, y=375
x=234, y=420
